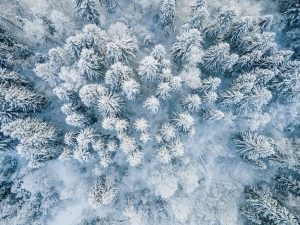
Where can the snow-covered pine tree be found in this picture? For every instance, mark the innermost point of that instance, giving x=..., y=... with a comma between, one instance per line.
x=167, y=132
x=165, y=182
x=164, y=154
x=130, y=88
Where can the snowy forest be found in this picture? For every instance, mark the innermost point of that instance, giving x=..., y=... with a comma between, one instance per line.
x=150, y=112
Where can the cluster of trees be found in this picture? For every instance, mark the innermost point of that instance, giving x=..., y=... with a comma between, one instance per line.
x=134, y=107
x=260, y=207
x=23, y=133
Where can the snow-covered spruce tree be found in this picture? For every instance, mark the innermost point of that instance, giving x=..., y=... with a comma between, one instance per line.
x=230, y=97
x=290, y=11
x=110, y=5
x=260, y=207
x=87, y=9
x=104, y=191
x=26, y=206
x=198, y=15
x=244, y=83
x=117, y=74
x=90, y=64
x=183, y=121
x=149, y=68
x=21, y=99
x=262, y=42
x=6, y=143
x=286, y=83
x=17, y=98
x=210, y=84
x=152, y=104
x=192, y=102
x=39, y=141
x=184, y=42
x=91, y=93
x=167, y=15
x=238, y=31
x=8, y=166
x=254, y=148
x=110, y=104
x=223, y=22
x=12, y=54
x=287, y=184
x=218, y=58
x=211, y=115
x=253, y=101
x=274, y=60
x=121, y=46
x=8, y=78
